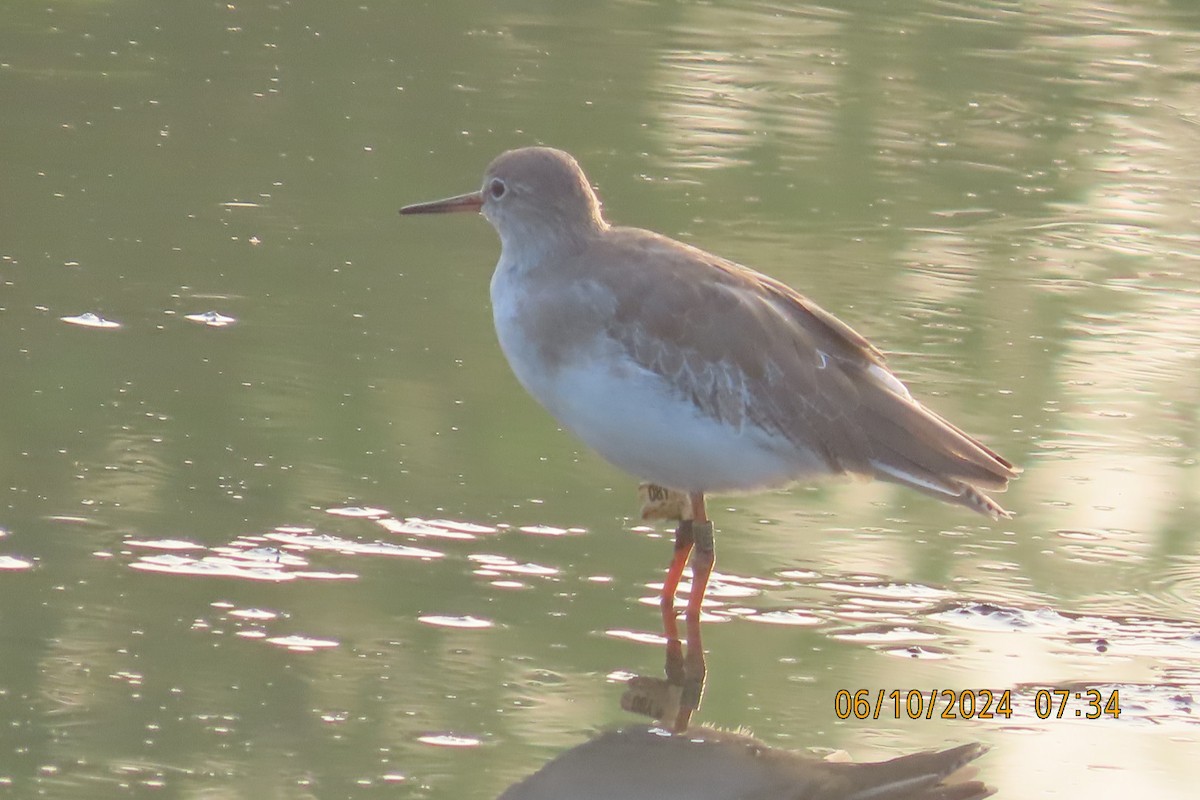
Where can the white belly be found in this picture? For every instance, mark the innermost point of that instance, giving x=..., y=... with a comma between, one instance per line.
x=632, y=417
x=635, y=422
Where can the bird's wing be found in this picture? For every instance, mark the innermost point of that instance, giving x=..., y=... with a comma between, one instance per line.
x=745, y=348
x=748, y=349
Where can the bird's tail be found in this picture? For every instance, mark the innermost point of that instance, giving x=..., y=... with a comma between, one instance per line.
x=916, y=447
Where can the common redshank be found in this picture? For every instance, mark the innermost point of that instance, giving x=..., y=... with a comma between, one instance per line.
x=693, y=372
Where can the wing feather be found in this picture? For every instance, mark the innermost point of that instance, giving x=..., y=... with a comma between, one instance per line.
x=748, y=349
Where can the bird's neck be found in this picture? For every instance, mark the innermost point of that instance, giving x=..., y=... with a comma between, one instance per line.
x=529, y=248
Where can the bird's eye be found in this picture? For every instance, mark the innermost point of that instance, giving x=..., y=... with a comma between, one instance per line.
x=497, y=188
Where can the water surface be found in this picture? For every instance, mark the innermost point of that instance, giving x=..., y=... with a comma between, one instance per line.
x=289, y=527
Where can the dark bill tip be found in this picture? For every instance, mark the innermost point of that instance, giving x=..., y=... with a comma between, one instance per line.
x=472, y=201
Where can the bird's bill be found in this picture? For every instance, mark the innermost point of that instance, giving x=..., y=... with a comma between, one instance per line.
x=472, y=201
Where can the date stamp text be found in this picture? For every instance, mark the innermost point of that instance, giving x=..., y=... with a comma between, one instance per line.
x=974, y=703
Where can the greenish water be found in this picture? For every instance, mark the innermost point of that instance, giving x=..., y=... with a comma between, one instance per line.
x=1002, y=197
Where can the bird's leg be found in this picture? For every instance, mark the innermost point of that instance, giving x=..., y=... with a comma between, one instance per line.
x=679, y=559
x=704, y=555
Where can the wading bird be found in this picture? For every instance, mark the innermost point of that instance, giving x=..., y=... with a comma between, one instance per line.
x=693, y=372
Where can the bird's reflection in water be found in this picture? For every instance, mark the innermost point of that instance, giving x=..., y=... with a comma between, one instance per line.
x=672, y=700
x=667, y=761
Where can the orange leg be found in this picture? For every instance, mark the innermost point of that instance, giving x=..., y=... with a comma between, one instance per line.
x=683, y=548
x=703, y=556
